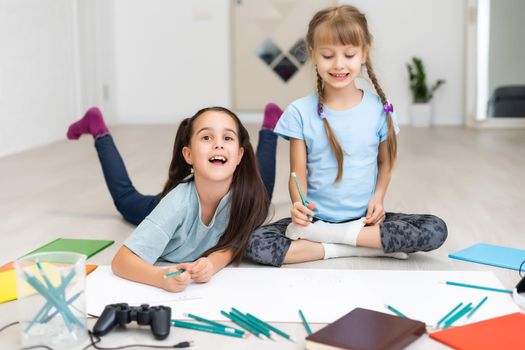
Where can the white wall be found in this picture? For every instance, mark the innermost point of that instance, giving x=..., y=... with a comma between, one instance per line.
x=37, y=72
x=171, y=58
x=433, y=30
x=162, y=60
x=174, y=58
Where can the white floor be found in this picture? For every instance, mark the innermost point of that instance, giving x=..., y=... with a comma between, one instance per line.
x=473, y=179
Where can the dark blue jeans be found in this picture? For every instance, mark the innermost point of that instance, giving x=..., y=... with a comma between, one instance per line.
x=135, y=206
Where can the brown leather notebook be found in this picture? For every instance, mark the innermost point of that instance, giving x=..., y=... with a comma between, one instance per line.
x=365, y=329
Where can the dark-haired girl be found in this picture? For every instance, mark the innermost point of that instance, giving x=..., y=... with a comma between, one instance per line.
x=213, y=200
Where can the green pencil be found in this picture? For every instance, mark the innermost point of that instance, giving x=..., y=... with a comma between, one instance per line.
x=449, y=313
x=205, y=328
x=397, y=312
x=294, y=176
x=479, y=287
x=174, y=273
x=269, y=326
x=255, y=325
x=305, y=323
x=303, y=200
x=477, y=307
x=242, y=323
x=457, y=316
x=216, y=324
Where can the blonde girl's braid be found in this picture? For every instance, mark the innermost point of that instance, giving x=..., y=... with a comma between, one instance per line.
x=392, y=139
x=332, y=139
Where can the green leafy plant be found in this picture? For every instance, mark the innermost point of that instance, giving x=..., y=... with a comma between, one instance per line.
x=421, y=93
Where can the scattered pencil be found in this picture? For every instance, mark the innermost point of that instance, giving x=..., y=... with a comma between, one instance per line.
x=478, y=287
x=476, y=307
x=305, y=323
x=448, y=314
x=269, y=326
x=206, y=328
x=397, y=312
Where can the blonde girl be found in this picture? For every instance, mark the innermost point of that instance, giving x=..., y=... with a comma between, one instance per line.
x=343, y=148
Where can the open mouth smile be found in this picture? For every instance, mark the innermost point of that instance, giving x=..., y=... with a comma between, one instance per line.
x=339, y=76
x=218, y=160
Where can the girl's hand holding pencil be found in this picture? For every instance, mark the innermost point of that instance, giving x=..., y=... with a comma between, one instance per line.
x=200, y=270
x=175, y=279
x=302, y=215
x=301, y=212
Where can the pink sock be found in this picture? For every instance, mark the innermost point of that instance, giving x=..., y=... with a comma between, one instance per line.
x=272, y=113
x=91, y=123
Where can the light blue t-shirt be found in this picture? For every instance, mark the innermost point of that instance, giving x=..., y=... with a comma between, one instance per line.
x=359, y=131
x=174, y=232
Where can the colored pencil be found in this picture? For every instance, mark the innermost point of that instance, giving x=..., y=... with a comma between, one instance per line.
x=255, y=325
x=305, y=323
x=216, y=324
x=174, y=273
x=269, y=326
x=241, y=323
x=477, y=307
x=479, y=287
x=449, y=313
x=397, y=312
x=205, y=328
x=457, y=316
x=303, y=200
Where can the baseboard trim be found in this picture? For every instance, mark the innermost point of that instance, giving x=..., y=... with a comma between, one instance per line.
x=498, y=123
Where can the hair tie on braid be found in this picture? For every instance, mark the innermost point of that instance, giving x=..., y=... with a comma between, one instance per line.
x=388, y=108
x=320, y=110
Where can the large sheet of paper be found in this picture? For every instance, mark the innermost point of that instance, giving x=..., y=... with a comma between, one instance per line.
x=276, y=294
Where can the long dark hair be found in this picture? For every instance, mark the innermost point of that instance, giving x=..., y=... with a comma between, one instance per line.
x=249, y=201
x=346, y=25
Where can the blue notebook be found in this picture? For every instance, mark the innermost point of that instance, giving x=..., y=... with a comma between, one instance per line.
x=494, y=255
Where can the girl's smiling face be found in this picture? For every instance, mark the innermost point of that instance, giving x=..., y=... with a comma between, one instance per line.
x=214, y=151
x=338, y=65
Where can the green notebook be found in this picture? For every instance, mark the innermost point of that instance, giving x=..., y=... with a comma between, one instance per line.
x=87, y=247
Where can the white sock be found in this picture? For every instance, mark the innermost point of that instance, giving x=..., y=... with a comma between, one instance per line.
x=325, y=232
x=343, y=250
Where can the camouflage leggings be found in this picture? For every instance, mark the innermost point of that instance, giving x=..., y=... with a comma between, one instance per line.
x=407, y=233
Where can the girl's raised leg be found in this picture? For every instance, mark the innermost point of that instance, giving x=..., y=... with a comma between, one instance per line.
x=133, y=205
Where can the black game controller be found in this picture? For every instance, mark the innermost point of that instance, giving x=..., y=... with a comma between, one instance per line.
x=158, y=317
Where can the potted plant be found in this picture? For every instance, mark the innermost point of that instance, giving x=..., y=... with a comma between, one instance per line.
x=421, y=108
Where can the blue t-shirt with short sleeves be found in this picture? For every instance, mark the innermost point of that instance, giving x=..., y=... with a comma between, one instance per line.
x=174, y=231
x=359, y=131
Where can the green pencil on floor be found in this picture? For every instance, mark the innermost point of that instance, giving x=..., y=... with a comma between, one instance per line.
x=215, y=324
x=206, y=328
x=305, y=323
x=397, y=312
x=457, y=284
x=269, y=326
